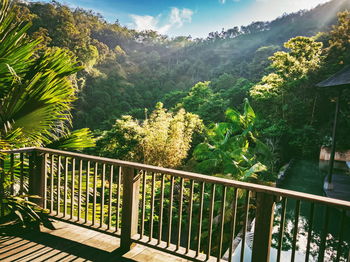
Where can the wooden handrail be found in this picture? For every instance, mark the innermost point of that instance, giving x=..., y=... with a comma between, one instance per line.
x=20, y=150
x=195, y=176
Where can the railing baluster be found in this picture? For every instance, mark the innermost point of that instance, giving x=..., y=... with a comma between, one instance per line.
x=12, y=176
x=79, y=187
x=66, y=165
x=324, y=235
x=179, y=225
x=45, y=180
x=118, y=198
x=233, y=225
x=143, y=204
x=222, y=222
x=200, y=213
x=110, y=197
x=160, y=226
x=170, y=209
x=211, y=214
x=245, y=223
x=72, y=190
x=52, y=182
x=152, y=207
x=281, y=229
x=190, y=217
x=309, y=235
x=341, y=231
x=87, y=191
x=58, y=185
x=94, y=194
x=102, y=213
x=295, y=230
x=21, y=157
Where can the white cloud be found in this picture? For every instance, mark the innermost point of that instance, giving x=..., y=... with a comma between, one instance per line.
x=179, y=17
x=145, y=22
x=176, y=18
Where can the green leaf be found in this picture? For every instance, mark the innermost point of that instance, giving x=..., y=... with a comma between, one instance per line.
x=19, y=215
x=249, y=113
x=256, y=168
x=76, y=140
x=36, y=91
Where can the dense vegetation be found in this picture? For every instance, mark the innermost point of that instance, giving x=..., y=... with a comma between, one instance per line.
x=127, y=72
x=163, y=139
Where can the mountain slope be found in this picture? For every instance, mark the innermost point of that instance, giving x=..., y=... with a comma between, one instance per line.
x=127, y=71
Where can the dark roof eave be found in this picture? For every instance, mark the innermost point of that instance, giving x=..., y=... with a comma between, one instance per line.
x=339, y=79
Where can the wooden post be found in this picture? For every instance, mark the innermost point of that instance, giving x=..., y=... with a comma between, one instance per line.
x=130, y=207
x=37, y=177
x=328, y=185
x=263, y=227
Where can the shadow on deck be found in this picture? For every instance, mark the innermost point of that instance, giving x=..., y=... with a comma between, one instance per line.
x=73, y=243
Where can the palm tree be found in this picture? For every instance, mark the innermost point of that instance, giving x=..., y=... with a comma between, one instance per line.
x=36, y=90
x=36, y=96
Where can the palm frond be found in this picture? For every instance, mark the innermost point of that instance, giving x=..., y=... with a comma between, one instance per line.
x=36, y=93
x=76, y=140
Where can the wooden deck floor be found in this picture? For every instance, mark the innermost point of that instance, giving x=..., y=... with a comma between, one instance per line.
x=73, y=243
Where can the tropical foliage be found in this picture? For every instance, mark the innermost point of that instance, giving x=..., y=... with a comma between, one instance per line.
x=126, y=71
x=36, y=98
x=232, y=148
x=36, y=88
x=163, y=139
x=19, y=211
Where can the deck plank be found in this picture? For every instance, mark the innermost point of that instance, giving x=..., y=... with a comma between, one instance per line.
x=71, y=242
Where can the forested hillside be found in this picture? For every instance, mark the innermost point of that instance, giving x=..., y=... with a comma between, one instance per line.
x=127, y=72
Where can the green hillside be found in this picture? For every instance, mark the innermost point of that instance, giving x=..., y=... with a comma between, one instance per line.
x=127, y=71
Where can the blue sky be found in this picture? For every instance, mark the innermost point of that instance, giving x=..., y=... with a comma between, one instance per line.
x=190, y=17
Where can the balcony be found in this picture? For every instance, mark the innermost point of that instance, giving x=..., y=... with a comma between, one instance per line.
x=112, y=210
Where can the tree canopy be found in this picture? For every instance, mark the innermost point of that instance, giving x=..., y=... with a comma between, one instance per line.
x=162, y=139
x=275, y=64
x=127, y=71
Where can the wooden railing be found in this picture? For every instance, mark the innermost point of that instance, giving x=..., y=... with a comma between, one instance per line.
x=190, y=215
